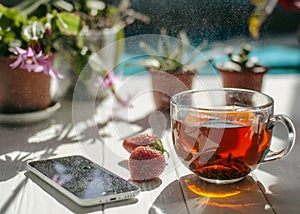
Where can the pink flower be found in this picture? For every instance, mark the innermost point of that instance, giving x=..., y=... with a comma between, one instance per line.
x=109, y=81
x=29, y=60
x=26, y=60
x=46, y=62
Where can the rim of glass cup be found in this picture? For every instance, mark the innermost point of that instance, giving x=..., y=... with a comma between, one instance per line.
x=268, y=104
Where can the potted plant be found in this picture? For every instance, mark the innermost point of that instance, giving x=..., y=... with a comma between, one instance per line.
x=103, y=25
x=242, y=71
x=172, y=68
x=28, y=34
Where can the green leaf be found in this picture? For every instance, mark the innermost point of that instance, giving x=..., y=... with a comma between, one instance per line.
x=165, y=43
x=185, y=40
x=29, y=6
x=21, y=19
x=68, y=23
x=11, y=14
x=80, y=41
x=145, y=62
x=151, y=52
x=64, y=5
x=177, y=52
x=173, y=57
x=3, y=8
x=196, y=52
x=120, y=45
x=9, y=37
x=10, y=17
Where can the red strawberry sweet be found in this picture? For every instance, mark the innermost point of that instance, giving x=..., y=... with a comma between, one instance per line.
x=148, y=162
x=138, y=140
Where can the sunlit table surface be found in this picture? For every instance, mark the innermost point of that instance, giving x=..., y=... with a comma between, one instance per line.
x=96, y=130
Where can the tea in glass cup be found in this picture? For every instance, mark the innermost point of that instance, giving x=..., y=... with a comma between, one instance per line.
x=222, y=135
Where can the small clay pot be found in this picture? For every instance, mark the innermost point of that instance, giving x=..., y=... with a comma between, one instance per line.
x=22, y=91
x=166, y=84
x=251, y=80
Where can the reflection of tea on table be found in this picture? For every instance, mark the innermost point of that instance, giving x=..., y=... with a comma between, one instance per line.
x=220, y=145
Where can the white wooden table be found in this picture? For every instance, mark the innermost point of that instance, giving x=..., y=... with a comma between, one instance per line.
x=273, y=188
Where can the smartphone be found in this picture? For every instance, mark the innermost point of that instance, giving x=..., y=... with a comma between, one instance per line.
x=83, y=181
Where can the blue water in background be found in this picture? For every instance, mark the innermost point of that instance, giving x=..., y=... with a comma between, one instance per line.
x=280, y=60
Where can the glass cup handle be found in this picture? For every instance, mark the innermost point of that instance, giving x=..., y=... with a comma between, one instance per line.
x=271, y=155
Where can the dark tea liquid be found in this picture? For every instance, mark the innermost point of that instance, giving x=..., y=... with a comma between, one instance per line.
x=222, y=150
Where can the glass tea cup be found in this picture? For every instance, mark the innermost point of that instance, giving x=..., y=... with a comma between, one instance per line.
x=223, y=134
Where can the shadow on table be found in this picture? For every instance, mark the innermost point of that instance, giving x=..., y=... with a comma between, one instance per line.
x=69, y=203
x=12, y=166
x=280, y=182
x=148, y=185
x=42, y=139
x=45, y=140
x=170, y=200
x=191, y=195
x=17, y=189
x=283, y=197
x=157, y=121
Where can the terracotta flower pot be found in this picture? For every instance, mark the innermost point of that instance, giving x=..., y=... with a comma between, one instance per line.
x=251, y=80
x=22, y=91
x=166, y=84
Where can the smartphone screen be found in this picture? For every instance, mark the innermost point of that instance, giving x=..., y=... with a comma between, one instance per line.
x=88, y=182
